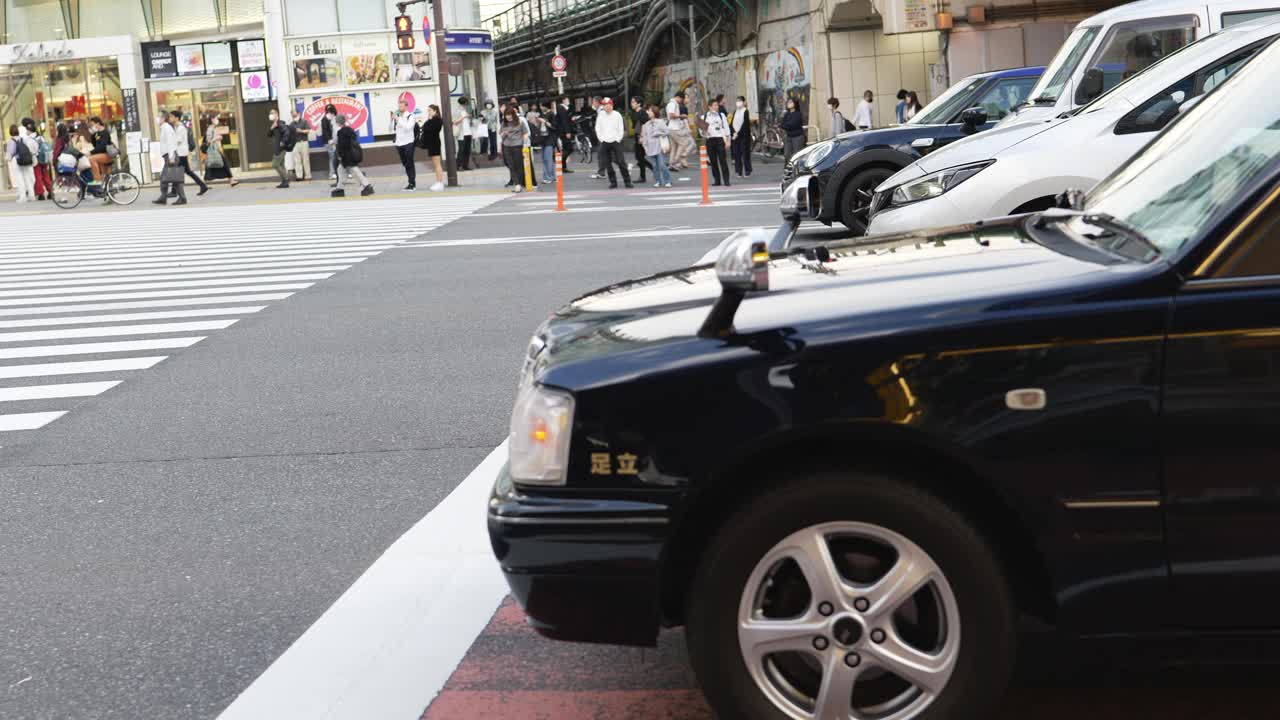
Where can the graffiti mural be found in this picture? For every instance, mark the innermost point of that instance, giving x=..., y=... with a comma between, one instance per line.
x=724, y=76
x=785, y=74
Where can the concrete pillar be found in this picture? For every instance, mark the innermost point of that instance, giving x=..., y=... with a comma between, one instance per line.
x=273, y=23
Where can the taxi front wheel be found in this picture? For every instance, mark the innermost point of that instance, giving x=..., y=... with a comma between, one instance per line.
x=848, y=595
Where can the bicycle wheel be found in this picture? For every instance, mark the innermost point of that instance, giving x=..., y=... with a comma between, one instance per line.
x=123, y=188
x=68, y=191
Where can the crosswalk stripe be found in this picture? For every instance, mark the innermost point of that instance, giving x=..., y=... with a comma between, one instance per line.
x=140, y=304
x=252, y=275
x=33, y=351
x=80, y=367
x=114, y=330
x=28, y=421
x=166, y=285
x=130, y=317
x=53, y=392
x=126, y=294
x=4, y=302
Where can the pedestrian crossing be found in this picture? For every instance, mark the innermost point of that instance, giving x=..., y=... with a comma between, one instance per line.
x=84, y=306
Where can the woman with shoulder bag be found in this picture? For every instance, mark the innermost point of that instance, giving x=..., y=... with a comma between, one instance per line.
x=216, y=166
x=654, y=136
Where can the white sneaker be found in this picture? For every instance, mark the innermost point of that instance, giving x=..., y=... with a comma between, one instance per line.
x=657, y=184
x=518, y=189
x=437, y=187
x=667, y=185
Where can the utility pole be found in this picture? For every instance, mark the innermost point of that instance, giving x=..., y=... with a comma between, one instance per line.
x=442, y=74
x=693, y=50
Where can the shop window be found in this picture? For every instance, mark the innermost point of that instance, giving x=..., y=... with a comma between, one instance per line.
x=243, y=12
x=311, y=17
x=356, y=15
x=102, y=19
x=181, y=16
x=32, y=21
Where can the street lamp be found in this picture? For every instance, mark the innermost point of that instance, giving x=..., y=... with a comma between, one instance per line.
x=442, y=75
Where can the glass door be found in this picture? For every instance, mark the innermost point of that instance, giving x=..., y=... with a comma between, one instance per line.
x=217, y=106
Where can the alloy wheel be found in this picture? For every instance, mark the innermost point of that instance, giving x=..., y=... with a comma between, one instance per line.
x=849, y=620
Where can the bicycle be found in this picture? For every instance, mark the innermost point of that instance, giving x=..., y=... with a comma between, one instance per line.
x=121, y=187
x=769, y=142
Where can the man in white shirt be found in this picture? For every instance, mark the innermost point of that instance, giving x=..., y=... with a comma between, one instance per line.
x=681, y=138
x=173, y=144
x=864, y=114
x=610, y=130
x=717, y=143
x=405, y=122
x=462, y=130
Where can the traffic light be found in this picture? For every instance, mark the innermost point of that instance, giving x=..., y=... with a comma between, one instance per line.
x=404, y=32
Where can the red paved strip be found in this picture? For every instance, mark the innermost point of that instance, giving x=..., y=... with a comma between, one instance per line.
x=512, y=673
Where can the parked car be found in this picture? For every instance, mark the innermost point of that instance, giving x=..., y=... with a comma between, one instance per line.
x=850, y=166
x=846, y=470
x=1021, y=168
x=1118, y=43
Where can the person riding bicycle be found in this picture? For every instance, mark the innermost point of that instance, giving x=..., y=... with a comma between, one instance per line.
x=63, y=144
x=104, y=151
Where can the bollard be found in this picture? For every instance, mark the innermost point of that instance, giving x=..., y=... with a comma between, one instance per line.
x=528, y=169
x=702, y=162
x=559, y=182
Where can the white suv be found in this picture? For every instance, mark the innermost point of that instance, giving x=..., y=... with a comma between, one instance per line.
x=1022, y=167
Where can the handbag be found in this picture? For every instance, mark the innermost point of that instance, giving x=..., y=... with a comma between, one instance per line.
x=66, y=163
x=113, y=152
x=214, y=161
x=173, y=174
x=664, y=143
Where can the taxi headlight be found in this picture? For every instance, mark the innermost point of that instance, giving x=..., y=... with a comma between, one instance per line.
x=818, y=154
x=935, y=184
x=541, y=426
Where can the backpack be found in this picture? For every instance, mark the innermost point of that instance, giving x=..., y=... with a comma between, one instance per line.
x=44, y=151
x=848, y=126
x=23, y=156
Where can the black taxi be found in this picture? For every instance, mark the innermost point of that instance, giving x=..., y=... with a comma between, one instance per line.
x=848, y=470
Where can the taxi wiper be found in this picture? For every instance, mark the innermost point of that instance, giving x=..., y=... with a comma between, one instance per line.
x=1116, y=226
x=1045, y=100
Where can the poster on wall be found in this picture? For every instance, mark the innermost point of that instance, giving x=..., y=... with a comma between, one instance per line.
x=366, y=60
x=785, y=74
x=413, y=66
x=317, y=63
x=158, y=60
x=217, y=57
x=353, y=106
x=254, y=86
x=190, y=59
x=252, y=54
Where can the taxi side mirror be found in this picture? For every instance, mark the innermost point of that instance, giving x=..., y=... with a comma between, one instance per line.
x=1090, y=86
x=973, y=118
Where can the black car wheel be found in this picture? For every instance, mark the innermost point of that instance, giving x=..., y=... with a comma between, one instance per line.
x=850, y=596
x=855, y=198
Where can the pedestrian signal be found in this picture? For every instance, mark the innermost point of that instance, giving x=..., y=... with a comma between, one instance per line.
x=404, y=33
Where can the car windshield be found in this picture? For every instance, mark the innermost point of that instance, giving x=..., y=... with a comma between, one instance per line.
x=1063, y=65
x=1208, y=43
x=1184, y=181
x=947, y=105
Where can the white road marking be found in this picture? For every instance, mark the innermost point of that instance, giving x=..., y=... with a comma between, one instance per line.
x=130, y=317
x=166, y=285
x=115, y=330
x=28, y=421
x=336, y=256
x=98, y=307
x=4, y=302
x=53, y=392
x=150, y=273
x=387, y=646
x=77, y=368
x=252, y=275
x=31, y=351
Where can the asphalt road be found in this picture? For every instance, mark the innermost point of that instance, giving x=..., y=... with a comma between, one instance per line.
x=164, y=541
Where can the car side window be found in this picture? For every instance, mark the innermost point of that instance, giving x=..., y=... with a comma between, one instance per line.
x=1161, y=109
x=1235, y=18
x=1258, y=252
x=1130, y=47
x=1004, y=95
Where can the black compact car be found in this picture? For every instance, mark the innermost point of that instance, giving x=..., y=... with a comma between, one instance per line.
x=850, y=166
x=848, y=469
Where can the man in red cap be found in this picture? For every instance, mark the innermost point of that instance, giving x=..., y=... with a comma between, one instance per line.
x=610, y=130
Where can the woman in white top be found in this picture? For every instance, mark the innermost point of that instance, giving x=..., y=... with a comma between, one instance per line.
x=912, y=107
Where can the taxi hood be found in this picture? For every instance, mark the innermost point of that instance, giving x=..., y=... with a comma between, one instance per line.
x=871, y=285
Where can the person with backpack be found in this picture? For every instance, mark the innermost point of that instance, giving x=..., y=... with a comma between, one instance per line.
x=21, y=161
x=281, y=143
x=44, y=156
x=838, y=123
x=350, y=155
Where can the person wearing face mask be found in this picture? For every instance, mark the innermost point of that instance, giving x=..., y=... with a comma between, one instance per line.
x=329, y=135
x=512, y=134
x=216, y=166
x=173, y=139
x=639, y=116
x=564, y=131
x=301, y=129
x=740, y=137
x=281, y=143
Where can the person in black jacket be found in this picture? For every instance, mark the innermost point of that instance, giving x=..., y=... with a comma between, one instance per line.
x=349, y=156
x=638, y=118
x=328, y=133
x=429, y=140
x=281, y=143
x=740, y=136
x=564, y=131
x=793, y=126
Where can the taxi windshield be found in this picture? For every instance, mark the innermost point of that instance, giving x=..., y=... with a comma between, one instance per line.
x=1193, y=173
x=947, y=105
x=1063, y=65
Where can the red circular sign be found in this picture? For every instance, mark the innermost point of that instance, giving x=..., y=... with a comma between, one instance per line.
x=355, y=111
x=559, y=63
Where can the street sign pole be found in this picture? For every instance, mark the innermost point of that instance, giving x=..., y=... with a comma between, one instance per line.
x=559, y=80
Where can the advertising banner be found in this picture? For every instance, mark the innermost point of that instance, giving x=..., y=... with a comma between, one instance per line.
x=354, y=106
x=254, y=86
x=366, y=60
x=158, y=60
x=217, y=58
x=190, y=59
x=252, y=54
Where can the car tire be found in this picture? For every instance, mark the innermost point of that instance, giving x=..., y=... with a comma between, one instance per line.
x=855, y=197
x=980, y=647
